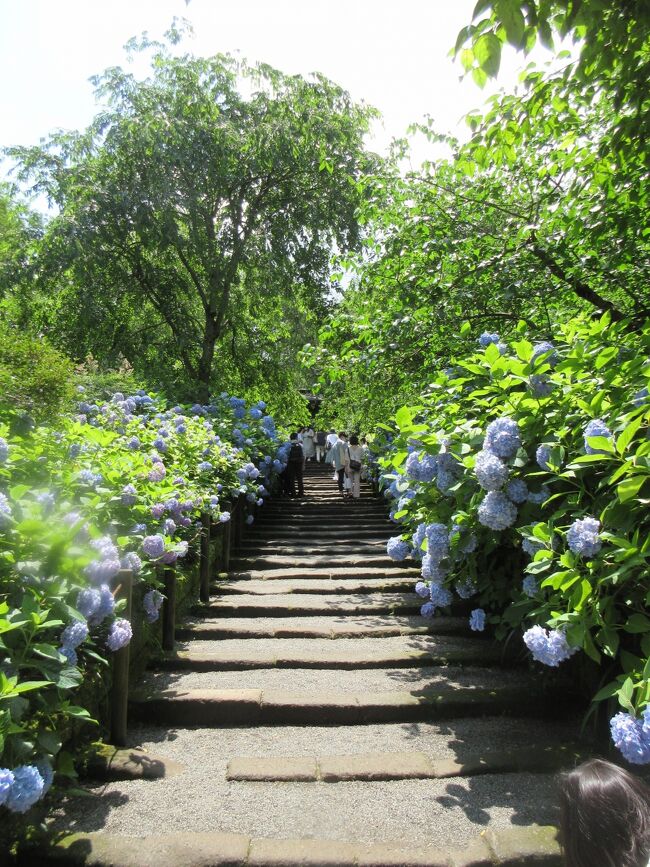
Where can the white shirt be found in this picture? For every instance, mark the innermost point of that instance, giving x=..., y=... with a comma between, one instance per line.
x=332, y=439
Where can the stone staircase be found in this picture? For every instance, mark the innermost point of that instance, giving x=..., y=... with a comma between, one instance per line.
x=310, y=716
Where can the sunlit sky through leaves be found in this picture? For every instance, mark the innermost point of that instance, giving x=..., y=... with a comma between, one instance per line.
x=393, y=54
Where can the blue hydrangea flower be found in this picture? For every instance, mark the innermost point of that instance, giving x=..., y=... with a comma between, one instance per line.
x=583, y=537
x=106, y=604
x=530, y=586
x=487, y=338
x=397, y=549
x=531, y=546
x=517, y=491
x=119, y=635
x=6, y=782
x=158, y=473
x=250, y=519
x=5, y=511
x=87, y=601
x=87, y=477
x=432, y=571
x=641, y=397
x=539, y=497
x=496, y=511
x=131, y=561
x=421, y=466
x=440, y=596
x=542, y=348
x=630, y=738
x=70, y=654
x=540, y=386
x=74, y=634
x=419, y=536
x=153, y=546
x=490, y=470
x=543, y=456
x=134, y=443
x=548, y=646
x=4, y=450
x=428, y=609
x=477, y=620
x=437, y=536
x=26, y=789
x=466, y=588
x=596, y=428
x=502, y=437
x=100, y=571
x=224, y=517
x=422, y=590
x=204, y=467
x=169, y=526
x=129, y=495
x=152, y=602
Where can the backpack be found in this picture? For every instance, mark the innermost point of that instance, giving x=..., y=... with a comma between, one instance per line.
x=296, y=453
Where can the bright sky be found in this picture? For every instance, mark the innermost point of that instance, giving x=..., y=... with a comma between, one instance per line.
x=392, y=54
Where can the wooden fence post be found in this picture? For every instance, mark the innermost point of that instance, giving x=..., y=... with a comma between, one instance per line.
x=204, y=562
x=227, y=538
x=169, y=609
x=120, y=684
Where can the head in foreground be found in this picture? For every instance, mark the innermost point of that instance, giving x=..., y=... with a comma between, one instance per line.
x=604, y=817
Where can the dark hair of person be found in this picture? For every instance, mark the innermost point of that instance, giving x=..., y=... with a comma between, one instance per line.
x=354, y=440
x=343, y=434
x=293, y=436
x=604, y=817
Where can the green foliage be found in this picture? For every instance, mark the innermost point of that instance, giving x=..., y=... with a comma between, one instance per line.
x=76, y=503
x=35, y=378
x=192, y=216
x=597, y=370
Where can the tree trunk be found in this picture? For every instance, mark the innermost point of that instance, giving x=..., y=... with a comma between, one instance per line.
x=204, y=370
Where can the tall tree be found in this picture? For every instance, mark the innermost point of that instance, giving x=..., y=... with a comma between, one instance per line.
x=190, y=182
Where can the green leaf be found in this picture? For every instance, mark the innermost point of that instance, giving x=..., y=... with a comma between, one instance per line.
x=637, y=623
x=487, y=50
x=510, y=15
x=627, y=435
x=629, y=488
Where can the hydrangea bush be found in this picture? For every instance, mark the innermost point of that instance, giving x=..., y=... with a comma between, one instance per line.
x=522, y=482
x=119, y=485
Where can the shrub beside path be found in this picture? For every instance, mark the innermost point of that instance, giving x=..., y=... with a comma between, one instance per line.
x=311, y=716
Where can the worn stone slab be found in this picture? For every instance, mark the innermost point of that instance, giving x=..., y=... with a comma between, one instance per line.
x=394, y=855
x=395, y=570
x=313, y=585
x=111, y=763
x=310, y=853
x=295, y=769
x=303, y=604
x=522, y=846
x=212, y=707
x=374, y=766
x=168, y=850
x=315, y=708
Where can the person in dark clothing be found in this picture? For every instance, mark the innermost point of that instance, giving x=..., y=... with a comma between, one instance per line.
x=295, y=466
x=321, y=445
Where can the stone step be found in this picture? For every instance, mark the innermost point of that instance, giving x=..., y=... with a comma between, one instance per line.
x=321, y=627
x=411, y=765
x=253, y=707
x=305, y=545
x=314, y=585
x=324, y=653
x=397, y=570
x=308, y=561
x=301, y=605
x=271, y=536
x=504, y=848
x=318, y=680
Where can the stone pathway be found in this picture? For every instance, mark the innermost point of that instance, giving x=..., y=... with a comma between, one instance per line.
x=311, y=716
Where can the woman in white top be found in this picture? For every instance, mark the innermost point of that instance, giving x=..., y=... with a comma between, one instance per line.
x=353, y=465
x=308, y=443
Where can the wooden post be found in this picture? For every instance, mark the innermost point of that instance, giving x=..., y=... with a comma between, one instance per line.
x=120, y=685
x=204, y=562
x=169, y=609
x=227, y=538
x=238, y=518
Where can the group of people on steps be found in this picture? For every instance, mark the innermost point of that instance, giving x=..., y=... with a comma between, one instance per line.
x=347, y=457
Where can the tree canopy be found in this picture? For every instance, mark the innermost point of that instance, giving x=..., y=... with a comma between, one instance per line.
x=196, y=217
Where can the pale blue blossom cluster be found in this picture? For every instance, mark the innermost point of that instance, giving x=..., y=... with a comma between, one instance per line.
x=496, y=511
x=22, y=787
x=543, y=456
x=119, y=634
x=548, y=646
x=530, y=586
x=632, y=736
x=152, y=602
x=487, y=338
x=583, y=537
x=541, y=349
x=517, y=491
x=491, y=472
x=477, y=620
x=502, y=437
x=397, y=548
x=421, y=466
x=596, y=428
